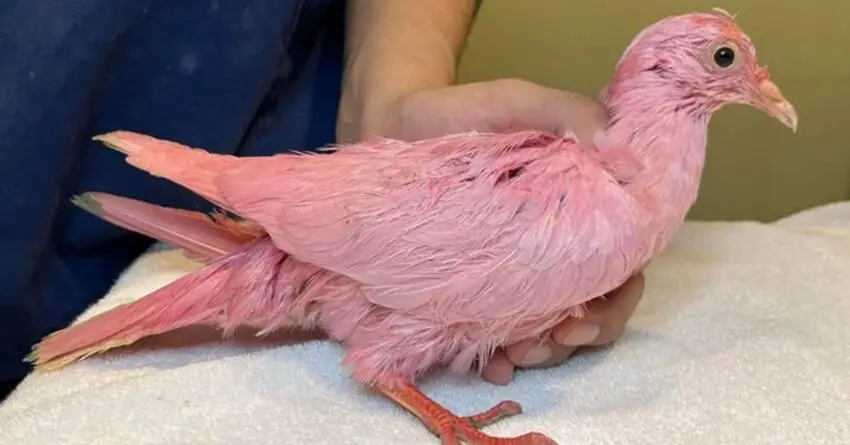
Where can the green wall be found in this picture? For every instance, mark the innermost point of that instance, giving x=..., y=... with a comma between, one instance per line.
x=756, y=168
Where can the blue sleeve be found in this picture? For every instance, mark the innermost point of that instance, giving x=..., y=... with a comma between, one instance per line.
x=241, y=77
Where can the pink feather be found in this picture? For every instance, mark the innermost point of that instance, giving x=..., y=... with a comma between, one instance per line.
x=202, y=237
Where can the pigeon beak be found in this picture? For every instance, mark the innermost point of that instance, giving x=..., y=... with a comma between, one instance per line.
x=771, y=100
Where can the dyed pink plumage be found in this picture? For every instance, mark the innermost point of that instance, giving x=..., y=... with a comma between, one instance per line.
x=436, y=252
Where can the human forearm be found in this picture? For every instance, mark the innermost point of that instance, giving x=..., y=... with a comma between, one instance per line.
x=394, y=48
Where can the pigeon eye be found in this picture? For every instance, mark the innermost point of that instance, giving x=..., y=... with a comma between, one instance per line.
x=724, y=56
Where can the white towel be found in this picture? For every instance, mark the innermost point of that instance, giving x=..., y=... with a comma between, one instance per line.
x=742, y=338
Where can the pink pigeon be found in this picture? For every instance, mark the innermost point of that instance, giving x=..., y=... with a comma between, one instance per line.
x=433, y=253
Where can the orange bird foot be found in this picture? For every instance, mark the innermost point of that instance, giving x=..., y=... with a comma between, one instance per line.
x=455, y=430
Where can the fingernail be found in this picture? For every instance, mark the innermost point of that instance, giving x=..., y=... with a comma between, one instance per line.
x=581, y=334
x=537, y=355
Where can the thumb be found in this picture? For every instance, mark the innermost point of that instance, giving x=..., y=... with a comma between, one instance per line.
x=498, y=106
x=522, y=105
x=575, y=115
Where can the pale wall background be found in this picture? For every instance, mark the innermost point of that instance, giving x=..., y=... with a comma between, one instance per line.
x=756, y=168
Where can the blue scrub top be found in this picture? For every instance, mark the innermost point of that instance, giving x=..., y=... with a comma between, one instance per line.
x=245, y=77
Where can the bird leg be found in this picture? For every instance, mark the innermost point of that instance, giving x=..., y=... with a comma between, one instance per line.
x=453, y=429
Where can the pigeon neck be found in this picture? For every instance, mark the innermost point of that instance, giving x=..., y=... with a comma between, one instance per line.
x=656, y=129
x=668, y=139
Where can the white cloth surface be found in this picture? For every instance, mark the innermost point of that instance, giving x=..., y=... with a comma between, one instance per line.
x=742, y=338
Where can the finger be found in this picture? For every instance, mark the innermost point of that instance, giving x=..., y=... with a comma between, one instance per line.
x=498, y=370
x=604, y=322
x=560, y=354
x=558, y=111
x=529, y=352
x=616, y=310
x=577, y=114
x=606, y=318
x=538, y=354
x=580, y=332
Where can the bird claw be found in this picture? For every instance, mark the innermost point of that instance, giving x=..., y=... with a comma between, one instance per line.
x=503, y=410
x=456, y=430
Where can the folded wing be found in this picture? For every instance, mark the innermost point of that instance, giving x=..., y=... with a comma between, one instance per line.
x=483, y=216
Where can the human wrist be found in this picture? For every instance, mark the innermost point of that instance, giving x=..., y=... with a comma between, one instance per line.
x=394, y=49
x=373, y=89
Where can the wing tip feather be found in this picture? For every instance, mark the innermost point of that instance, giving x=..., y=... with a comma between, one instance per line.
x=88, y=202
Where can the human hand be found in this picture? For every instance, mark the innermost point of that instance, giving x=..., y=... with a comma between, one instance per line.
x=501, y=106
x=603, y=323
x=492, y=106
